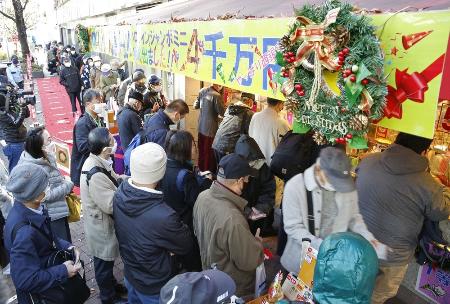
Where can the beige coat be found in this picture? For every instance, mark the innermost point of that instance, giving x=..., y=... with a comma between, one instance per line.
x=94, y=77
x=108, y=85
x=225, y=238
x=97, y=200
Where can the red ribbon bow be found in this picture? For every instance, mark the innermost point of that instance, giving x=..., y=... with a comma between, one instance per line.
x=410, y=86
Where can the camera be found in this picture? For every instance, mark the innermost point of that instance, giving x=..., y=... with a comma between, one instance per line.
x=16, y=98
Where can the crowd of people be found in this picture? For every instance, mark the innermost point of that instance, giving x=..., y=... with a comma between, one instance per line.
x=189, y=234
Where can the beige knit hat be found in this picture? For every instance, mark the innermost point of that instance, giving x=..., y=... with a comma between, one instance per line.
x=148, y=163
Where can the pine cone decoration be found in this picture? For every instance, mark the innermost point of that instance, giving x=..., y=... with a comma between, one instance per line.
x=285, y=42
x=319, y=138
x=359, y=122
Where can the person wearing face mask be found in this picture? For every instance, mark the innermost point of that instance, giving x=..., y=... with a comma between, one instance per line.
x=85, y=72
x=181, y=186
x=235, y=123
x=38, y=151
x=153, y=98
x=328, y=188
x=90, y=120
x=138, y=85
x=221, y=228
x=124, y=86
x=95, y=73
x=260, y=191
x=14, y=73
x=27, y=236
x=156, y=128
x=117, y=67
x=77, y=59
x=108, y=82
x=70, y=78
x=128, y=119
x=98, y=184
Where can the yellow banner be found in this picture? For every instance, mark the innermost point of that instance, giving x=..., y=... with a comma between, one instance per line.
x=240, y=54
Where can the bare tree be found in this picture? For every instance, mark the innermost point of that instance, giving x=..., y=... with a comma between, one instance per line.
x=18, y=18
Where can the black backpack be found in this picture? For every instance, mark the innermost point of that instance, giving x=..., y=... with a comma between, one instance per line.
x=294, y=154
x=432, y=248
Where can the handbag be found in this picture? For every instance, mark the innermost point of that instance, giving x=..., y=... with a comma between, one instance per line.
x=74, y=204
x=73, y=291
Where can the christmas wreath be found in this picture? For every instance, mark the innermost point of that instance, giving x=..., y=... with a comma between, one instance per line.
x=82, y=38
x=332, y=73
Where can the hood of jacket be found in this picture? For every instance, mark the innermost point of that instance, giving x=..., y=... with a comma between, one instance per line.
x=346, y=269
x=248, y=148
x=393, y=161
x=26, y=157
x=133, y=201
x=237, y=108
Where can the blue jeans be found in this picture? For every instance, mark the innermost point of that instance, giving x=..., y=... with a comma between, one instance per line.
x=13, y=151
x=135, y=297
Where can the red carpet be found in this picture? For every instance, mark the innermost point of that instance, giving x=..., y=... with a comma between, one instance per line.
x=56, y=109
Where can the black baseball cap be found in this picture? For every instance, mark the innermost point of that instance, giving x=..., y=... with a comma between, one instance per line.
x=136, y=95
x=234, y=166
x=209, y=286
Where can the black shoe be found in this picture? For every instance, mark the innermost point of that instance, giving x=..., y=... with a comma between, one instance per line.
x=121, y=290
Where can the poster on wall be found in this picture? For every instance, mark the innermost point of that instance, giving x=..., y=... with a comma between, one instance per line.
x=62, y=154
x=240, y=54
x=434, y=284
x=415, y=52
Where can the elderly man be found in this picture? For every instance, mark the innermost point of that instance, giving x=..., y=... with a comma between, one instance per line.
x=109, y=82
x=221, y=228
x=396, y=195
x=129, y=120
x=97, y=187
x=88, y=121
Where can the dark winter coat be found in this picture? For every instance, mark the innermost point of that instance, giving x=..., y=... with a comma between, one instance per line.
x=150, y=98
x=235, y=122
x=70, y=78
x=260, y=190
x=182, y=201
x=30, y=251
x=149, y=232
x=211, y=106
x=12, y=127
x=80, y=151
x=130, y=123
x=77, y=59
x=156, y=128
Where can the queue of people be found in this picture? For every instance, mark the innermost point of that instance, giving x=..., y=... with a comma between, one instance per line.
x=170, y=221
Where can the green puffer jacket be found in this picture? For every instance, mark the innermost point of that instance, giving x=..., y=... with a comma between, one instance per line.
x=346, y=269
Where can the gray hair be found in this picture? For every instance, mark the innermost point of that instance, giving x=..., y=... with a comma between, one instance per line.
x=90, y=94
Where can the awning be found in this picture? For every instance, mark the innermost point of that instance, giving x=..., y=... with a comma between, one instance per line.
x=187, y=10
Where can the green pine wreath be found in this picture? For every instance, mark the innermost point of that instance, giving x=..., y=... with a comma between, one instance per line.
x=335, y=117
x=82, y=34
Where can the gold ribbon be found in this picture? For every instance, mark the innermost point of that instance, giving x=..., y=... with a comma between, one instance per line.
x=314, y=39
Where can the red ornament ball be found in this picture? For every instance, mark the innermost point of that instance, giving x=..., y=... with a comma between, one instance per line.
x=298, y=86
x=341, y=54
x=343, y=110
x=352, y=78
x=301, y=93
x=291, y=54
x=349, y=136
x=346, y=51
x=347, y=73
x=364, y=81
x=341, y=57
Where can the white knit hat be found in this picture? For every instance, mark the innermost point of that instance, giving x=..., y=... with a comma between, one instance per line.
x=148, y=163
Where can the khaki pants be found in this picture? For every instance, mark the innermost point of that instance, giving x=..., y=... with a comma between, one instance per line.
x=387, y=283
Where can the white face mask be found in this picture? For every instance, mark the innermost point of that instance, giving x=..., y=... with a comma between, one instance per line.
x=67, y=64
x=99, y=108
x=97, y=64
x=72, y=52
x=91, y=64
x=157, y=88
